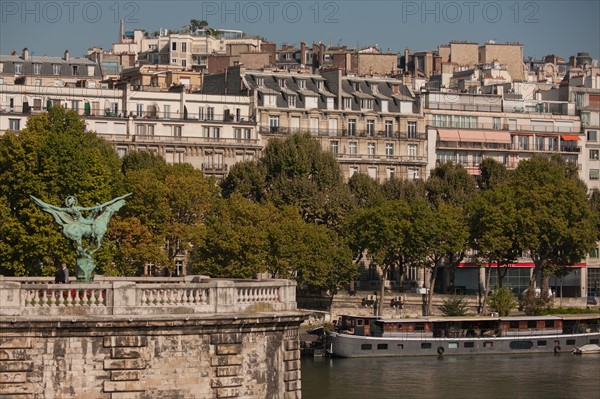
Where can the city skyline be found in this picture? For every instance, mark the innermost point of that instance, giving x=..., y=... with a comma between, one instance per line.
x=542, y=27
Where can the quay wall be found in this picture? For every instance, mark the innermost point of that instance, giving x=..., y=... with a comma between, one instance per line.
x=149, y=339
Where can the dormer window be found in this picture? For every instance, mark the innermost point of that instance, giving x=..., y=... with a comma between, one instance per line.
x=320, y=84
x=302, y=84
x=347, y=103
x=375, y=87
x=18, y=69
x=260, y=81
x=56, y=69
x=357, y=86
x=292, y=101
x=366, y=104
x=281, y=83
x=37, y=69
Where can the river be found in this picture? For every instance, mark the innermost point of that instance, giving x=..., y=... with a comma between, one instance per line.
x=483, y=376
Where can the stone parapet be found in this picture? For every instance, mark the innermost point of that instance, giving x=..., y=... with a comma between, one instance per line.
x=139, y=296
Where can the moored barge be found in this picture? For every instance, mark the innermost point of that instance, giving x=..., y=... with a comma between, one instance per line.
x=368, y=336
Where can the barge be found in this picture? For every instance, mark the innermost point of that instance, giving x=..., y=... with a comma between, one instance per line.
x=370, y=336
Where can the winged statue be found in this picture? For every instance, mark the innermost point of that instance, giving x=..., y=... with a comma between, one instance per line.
x=79, y=223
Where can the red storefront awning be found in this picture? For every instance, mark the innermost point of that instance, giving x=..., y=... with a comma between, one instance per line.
x=570, y=137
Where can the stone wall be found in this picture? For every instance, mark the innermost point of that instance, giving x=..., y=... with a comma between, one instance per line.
x=193, y=337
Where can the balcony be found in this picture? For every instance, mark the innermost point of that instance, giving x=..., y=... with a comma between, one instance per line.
x=503, y=147
x=504, y=126
x=144, y=139
x=214, y=168
x=385, y=159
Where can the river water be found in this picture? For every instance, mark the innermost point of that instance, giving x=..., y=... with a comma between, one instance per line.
x=483, y=376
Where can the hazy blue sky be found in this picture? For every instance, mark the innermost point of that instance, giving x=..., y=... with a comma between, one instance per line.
x=544, y=27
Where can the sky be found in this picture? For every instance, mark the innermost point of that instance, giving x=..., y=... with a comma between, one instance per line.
x=543, y=27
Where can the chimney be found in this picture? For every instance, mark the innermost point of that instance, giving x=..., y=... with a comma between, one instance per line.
x=66, y=57
x=302, y=53
x=321, y=53
x=406, y=55
x=25, y=54
x=13, y=52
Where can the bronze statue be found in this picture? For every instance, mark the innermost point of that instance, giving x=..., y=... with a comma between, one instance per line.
x=76, y=227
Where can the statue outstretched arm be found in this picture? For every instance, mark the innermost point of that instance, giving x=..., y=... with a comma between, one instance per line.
x=112, y=201
x=60, y=216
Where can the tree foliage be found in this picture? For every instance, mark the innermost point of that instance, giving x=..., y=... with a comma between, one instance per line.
x=52, y=158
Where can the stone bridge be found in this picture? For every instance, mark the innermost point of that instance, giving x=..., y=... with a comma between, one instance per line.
x=189, y=337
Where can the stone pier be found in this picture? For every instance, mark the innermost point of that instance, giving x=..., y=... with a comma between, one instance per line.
x=192, y=337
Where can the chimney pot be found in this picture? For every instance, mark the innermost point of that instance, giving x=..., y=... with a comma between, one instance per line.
x=66, y=57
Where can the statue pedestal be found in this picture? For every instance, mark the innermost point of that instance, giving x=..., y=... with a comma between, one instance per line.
x=84, y=270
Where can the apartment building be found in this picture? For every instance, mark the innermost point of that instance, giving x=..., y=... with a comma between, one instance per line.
x=211, y=132
x=33, y=70
x=371, y=125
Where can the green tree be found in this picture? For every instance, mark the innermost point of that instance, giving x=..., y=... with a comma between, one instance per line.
x=52, y=158
x=451, y=184
x=301, y=173
x=493, y=232
x=247, y=178
x=502, y=301
x=555, y=223
x=402, y=189
x=380, y=233
x=364, y=190
x=454, y=306
x=492, y=174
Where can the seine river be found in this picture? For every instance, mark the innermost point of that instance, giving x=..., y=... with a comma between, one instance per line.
x=490, y=377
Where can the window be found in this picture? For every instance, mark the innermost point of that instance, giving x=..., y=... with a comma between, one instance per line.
x=389, y=127
x=442, y=120
x=14, y=124
x=594, y=174
x=595, y=253
x=302, y=84
x=75, y=70
x=477, y=159
x=469, y=344
x=143, y=129
x=592, y=135
x=523, y=142
x=37, y=104
x=366, y=104
x=594, y=154
x=18, y=69
x=274, y=123
x=260, y=81
x=370, y=127
x=37, y=69
x=56, y=69
x=496, y=123
x=531, y=324
x=352, y=147
x=366, y=347
x=570, y=342
x=347, y=103
x=371, y=149
x=210, y=113
x=174, y=46
x=352, y=127
x=412, y=130
x=281, y=83
x=520, y=344
x=183, y=63
x=139, y=109
x=183, y=47
x=75, y=105
x=217, y=132
x=513, y=325
x=488, y=344
x=176, y=130
x=452, y=345
x=201, y=113
x=389, y=149
x=166, y=111
x=382, y=346
x=206, y=132
x=1, y=66
x=292, y=101
x=542, y=342
x=320, y=84
x=413, y=151
x=334, y=146
x=539, y=143
x=425, y=345
x=419, y=327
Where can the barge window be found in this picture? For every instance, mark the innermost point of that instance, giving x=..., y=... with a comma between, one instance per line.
x=400, y=346
x=469, y=344
x=488, y=344
x=366, y=347
x=549, y=323
x=570, y=342
x=595, y=341
x=531, y=324
x=419, y=327
x=382, y=346
x=359, y=322
x=521, y=345
x=542, y=342
x=452, y=345
x=426, y=345
x=514, y=324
